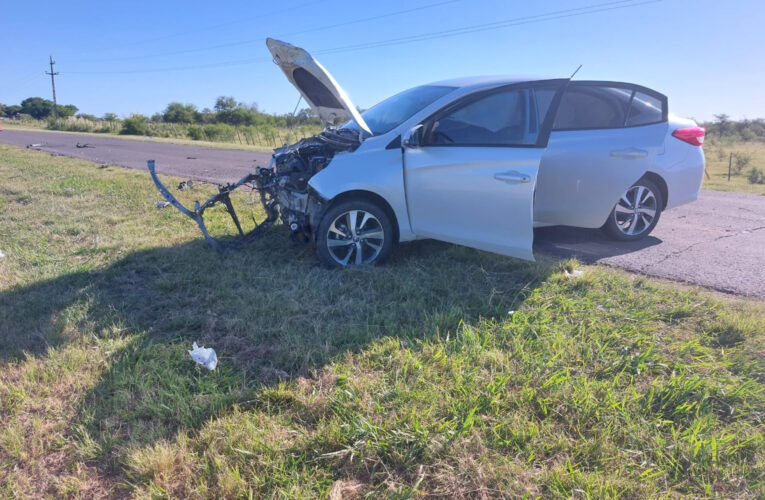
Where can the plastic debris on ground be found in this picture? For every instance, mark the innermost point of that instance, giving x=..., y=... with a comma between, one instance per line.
x=2, y=255
x=204, y=356
x=161, y=204
x=576, y=273
x=185, y=185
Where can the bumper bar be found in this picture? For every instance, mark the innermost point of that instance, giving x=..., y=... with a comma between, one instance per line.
x=223, y=196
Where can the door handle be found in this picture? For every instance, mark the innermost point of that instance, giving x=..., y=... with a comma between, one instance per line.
x=512, y=176
x=630, y=153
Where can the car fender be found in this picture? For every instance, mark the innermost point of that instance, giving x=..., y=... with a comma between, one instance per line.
x=379, y=171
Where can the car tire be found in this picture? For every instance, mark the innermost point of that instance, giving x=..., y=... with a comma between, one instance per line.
x=628, y=221
x=354, y=232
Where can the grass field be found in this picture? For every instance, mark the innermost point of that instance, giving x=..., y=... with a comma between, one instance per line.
x=718, y=154
x=448, y=372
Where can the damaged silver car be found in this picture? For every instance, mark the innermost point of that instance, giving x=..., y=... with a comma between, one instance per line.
x=475, y=161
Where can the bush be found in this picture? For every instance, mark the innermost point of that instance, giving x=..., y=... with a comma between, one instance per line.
x=220, y=132
x=196, y=132
x=135, y=125
x=756, y=176
x=740, y=162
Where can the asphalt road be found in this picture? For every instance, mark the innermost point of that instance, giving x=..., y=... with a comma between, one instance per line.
x=717, y=242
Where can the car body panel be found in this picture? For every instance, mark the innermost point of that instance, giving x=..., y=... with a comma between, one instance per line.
x=320, y=90
x=479, y=197
x=584, y=172
x=374, y=170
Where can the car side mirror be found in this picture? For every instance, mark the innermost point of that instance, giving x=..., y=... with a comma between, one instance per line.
x=412, y=138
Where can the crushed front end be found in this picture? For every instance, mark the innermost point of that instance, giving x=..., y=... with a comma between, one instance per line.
x=282, y=187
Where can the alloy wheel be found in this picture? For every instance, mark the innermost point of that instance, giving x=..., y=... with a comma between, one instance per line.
x=355, y=237
x=636, y=210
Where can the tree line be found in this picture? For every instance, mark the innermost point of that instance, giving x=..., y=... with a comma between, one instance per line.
x=225, y=110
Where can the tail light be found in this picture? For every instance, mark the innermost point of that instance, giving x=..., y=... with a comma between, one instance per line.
x=692, y=135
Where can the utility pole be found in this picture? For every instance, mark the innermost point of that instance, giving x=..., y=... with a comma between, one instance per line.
x=53, y=84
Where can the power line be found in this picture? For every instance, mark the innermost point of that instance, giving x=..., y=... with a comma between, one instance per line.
x=229, y=23
x=550, y=16
x=260, y=40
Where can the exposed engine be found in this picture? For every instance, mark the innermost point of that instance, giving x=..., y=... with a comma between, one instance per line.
x=291, y=169
x=283, y=188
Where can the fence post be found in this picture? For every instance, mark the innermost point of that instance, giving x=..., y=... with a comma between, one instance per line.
x=730, y=164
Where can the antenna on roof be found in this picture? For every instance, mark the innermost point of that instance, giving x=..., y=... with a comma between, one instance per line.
x=575, y=72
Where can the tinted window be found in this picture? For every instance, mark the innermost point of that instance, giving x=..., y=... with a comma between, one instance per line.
x=591, y=107
x=644, y=109
x=507, y=118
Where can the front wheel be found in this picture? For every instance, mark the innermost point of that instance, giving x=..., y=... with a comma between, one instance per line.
x=353, y=233
x=636, y=213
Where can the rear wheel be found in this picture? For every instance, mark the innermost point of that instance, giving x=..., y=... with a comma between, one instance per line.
x=636, y=213
x=353, y=233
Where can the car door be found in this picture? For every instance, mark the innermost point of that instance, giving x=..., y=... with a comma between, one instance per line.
x=470, y=170
x=605, y=137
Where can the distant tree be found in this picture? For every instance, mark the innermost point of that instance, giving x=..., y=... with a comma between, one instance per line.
x=175, y=112
x=37, y=107
x=110, y=117
x=86, y=116
x=223, y=104
x=12, y=110
x=67, y=110
x=2, y=109
x=723, y=123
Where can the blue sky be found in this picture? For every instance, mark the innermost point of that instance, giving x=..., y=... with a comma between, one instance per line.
x=125, y=57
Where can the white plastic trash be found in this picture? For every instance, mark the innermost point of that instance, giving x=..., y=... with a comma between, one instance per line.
x=2, y=255
x=204, y=356
x=576, y=273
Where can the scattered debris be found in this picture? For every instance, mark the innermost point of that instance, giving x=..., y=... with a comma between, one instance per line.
x=204, y=356
x=185, y=185
x=2, y=255
x=37, y=145
x=510, y=312
x=161, y=204
x=576, y=273
x=103, y=165
x=84, y=145
x=191, y=157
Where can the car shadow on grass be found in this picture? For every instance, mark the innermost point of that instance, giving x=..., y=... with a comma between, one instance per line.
x=270, y=311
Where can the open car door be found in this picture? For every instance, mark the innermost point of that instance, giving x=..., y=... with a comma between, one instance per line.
x=471, y=169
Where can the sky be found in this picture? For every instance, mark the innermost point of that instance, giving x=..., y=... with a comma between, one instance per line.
x=707, y=56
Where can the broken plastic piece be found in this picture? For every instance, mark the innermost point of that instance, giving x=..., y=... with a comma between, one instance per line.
x=2, y=255
x=576, y=273
x=204, y=356
x=185, y=185
x=161, y=204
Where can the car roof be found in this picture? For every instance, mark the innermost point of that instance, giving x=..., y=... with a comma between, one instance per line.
x=489, y=80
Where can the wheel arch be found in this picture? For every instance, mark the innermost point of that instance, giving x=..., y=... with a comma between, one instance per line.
x=360, y=194
x=659, y=180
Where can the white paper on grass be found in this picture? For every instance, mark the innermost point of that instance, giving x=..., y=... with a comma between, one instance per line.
x=204, y=356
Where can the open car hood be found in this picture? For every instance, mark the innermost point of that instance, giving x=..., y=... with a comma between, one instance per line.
x=317, y=86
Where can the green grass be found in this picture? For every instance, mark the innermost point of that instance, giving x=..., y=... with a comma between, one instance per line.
x=448, y=372
x=717, y=154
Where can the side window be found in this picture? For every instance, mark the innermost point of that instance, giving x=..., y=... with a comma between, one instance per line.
x=645, y=109
x=592, y=107
x=506, y=118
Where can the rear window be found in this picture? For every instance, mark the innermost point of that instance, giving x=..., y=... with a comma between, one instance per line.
x=645, y=109
x=592, y=107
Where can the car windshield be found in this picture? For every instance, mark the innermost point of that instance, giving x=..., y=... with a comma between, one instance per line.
x=393, y=111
